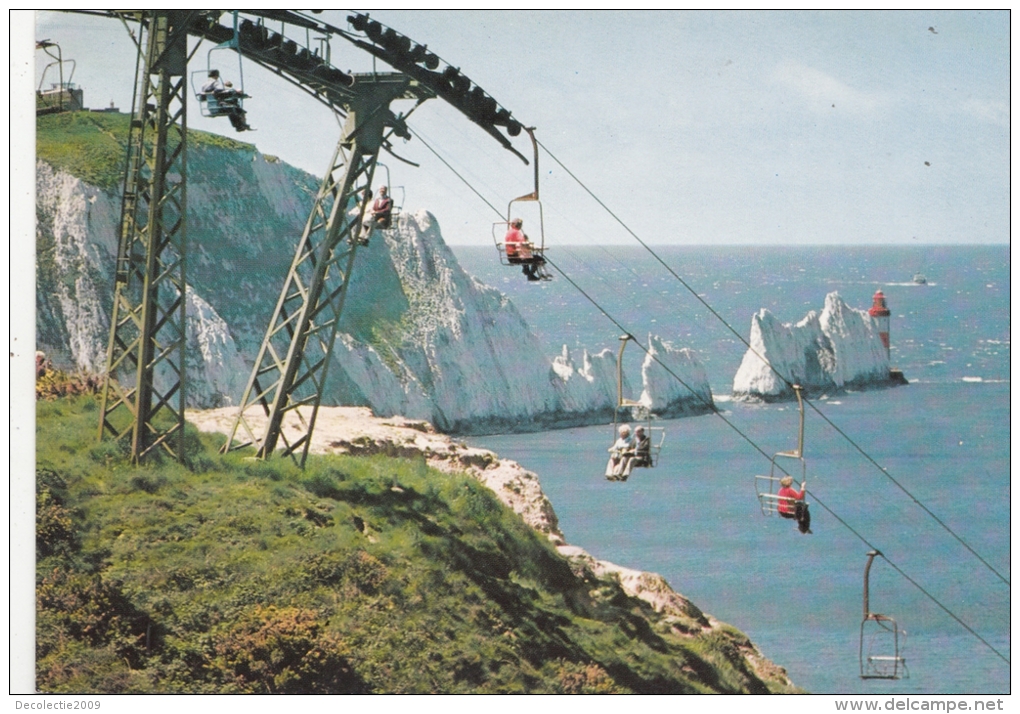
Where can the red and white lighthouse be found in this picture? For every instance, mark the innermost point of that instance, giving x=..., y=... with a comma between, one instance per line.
x=880, y=312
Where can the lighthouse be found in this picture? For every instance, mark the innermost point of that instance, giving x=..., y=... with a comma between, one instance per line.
x=880, y=312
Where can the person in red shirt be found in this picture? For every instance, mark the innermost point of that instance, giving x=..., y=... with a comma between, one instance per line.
x=518, y=250
x=795, y=508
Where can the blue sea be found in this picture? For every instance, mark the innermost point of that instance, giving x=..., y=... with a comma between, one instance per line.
x=695, y=518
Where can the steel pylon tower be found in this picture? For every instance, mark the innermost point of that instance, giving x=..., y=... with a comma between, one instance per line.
x=143, y=392
x=143, y=397
x=293, y=360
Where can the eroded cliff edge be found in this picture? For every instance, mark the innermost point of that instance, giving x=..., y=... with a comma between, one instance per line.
x=836, y=349
x=355, y=431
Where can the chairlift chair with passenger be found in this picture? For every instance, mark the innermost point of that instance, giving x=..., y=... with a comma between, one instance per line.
x=370, y=220
x=768, y=487
x=532, y=251
x=627, y=411
x=219, y=103
x=391, y=190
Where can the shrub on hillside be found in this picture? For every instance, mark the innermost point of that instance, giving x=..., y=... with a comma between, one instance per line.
x=577, y=678
x=86, y=608
x=283, y=650
x=53, y=527
x=52, y=383
x=359, y=569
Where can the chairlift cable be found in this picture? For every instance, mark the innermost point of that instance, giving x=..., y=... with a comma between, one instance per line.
x=496, y=210
x=908, y=578
x=739, y=336
x=813, y=495
x=909, y=494
x=455, y=172
x=733, y=426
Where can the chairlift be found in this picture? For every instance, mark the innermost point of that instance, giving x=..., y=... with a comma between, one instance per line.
x=531, y=253
x=53, y=99
x=218, y=102
x=58, y=62
x=371, y=221
x=882, y=642
x=622, y=462
x=768, y=487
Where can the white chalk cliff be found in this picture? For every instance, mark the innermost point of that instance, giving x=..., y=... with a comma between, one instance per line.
x=838, y=348
x=661, y=373
x=418, y=336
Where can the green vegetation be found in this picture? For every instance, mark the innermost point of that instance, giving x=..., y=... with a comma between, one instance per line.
x=52, y=383
x=356, y=575
x=92, y=145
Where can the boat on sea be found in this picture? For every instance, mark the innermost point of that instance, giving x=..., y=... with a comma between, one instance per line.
x=919, y=279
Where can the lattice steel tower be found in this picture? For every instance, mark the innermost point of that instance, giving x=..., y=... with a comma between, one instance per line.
x=143, y=393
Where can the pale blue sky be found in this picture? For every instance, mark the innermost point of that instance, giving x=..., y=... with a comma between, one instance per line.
x=694, y=127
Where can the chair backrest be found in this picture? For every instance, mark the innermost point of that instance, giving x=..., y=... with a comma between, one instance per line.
x=770, y=502
x=767, y=490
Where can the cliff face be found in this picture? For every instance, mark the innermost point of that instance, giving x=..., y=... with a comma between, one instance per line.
x=837, y=349
x=74, y=243
x=418, y=335
x=237, y=219
x=663, y=394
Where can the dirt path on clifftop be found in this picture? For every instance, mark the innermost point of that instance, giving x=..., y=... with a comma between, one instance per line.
x=355, y=431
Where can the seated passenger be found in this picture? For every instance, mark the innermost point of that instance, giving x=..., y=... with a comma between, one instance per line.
x=619, y=454
x=382, y=209
x=227, y=100
x=514, y=241
x=379, y=215
x=230, y=100
x=518, y=250
x=213, y=84
x=641, y=457
x=359, y=233
x=791, y=504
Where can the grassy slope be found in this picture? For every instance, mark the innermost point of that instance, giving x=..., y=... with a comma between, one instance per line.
x=91, y=145
x=232, y=575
